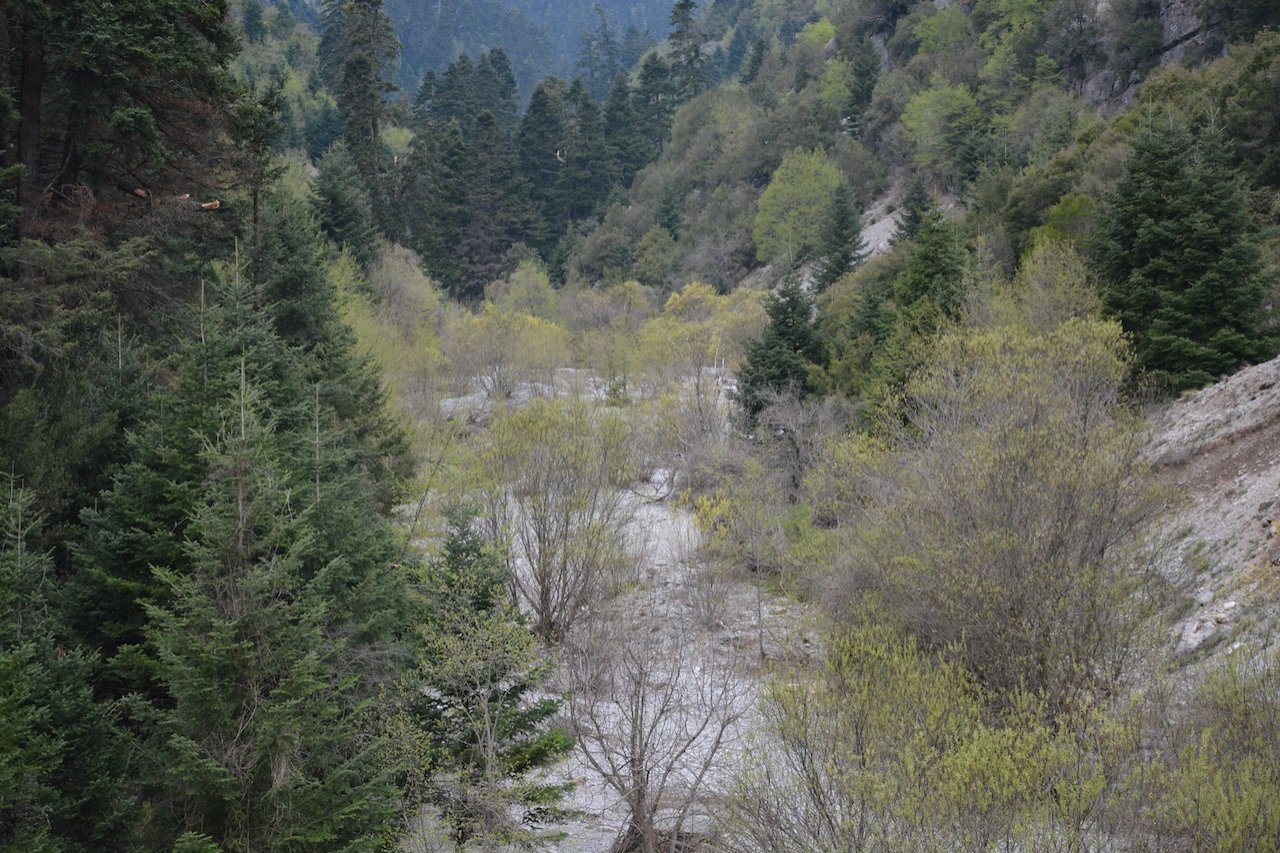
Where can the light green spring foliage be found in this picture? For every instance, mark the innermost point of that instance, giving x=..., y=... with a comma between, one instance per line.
x=1218, y=786
x=790, y=213
x=1004, y=524
x=889, y=747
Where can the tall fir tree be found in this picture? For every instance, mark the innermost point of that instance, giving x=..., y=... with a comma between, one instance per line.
x=486, y=725
x=261, y=747
x=1176, y=256
x=360, y=49
x=915, y=204
x=65, y=774
x=627, y=149
x=344, y=205
x=688, y=73
x=782, y=359
x=842, y=248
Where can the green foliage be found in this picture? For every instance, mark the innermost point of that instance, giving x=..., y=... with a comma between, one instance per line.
x=1024, y=577
x=1175, y=253
x=934, y=270
x=116, y=94
x=842, y=248
x=783, y=358
x=789, y=215
x=472, y=704
x=261, y=746
x=64, y=770
x=343, y=205
x=888, y=746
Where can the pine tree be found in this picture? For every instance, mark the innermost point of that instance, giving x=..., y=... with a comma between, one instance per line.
x=544, y=143
x=627, y=150
x=781, y=359
x=359, y=49
x=499, y=211
x=261, y=747
x=655, y=100
x=934, y=270
x=587, y=172
x=842, y=248
x=1177, y=260
x=483, y=723
x=686, y=51
x=915, y=205
x=344, y=206
x=434, y=198
x=64, y=776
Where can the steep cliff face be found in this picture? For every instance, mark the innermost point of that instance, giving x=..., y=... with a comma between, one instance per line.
x=1220, y=449
x=1182, y=33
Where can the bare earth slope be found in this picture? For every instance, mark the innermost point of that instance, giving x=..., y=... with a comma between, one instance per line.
x=1220, y=447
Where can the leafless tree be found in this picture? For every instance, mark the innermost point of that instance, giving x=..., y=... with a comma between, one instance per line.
x=556, y=506
x=653, y=710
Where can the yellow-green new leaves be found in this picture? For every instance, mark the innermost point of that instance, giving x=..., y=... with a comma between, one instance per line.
x=552, y=475
x=1005, y=524
x=790, y=213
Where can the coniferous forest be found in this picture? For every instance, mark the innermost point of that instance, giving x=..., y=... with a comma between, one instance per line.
x=735, y=425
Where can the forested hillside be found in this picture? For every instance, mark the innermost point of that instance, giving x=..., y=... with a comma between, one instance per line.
x=743, y=425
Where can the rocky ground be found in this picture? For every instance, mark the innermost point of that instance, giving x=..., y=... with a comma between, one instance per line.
x=1220, y=450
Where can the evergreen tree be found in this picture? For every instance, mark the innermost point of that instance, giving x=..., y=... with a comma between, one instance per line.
x=654, y=103
x=544, y=142
x=1177, y=260
x=915, y=204
x=627, y=150
x=599, y=57
x=587, y=172
x=934, y=270
x=114, y=96
x=262, y=747
x=499, y=212
x=780, y=361
x=64, y=774
x=434, y=198
x=483, y=723
x=686, y=51
x=344, y=207
x=842, y=248
x=865, y=72
x=359, y=50
x=755, y=59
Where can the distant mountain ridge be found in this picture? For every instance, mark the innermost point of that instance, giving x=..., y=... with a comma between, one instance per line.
x=540, y=37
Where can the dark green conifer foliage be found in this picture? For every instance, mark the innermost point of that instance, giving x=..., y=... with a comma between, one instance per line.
x=915, y=204
x=1177, y=260
x=434, y=198
x=866, y=71
x=344, y=206
x=627, y=149
x=935, y=267
x=499, y=212
x=782, y=359
x=842, y=248
x=543, y=140
x=262, y=748
x=688, y=75
x=599, y=57
x=655, y=100
x=358, y=51
x=755, y=59
x=64, y=772
x=483, y=723
x=252, y=21
x=587, y=172
x=114, y=96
